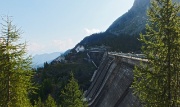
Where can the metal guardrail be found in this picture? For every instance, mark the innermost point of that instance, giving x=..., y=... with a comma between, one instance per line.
x=129, y=55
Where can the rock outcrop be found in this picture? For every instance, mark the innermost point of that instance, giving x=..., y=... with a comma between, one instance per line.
x=133, y=22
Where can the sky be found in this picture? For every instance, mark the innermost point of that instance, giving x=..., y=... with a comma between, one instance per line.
x=58, y=25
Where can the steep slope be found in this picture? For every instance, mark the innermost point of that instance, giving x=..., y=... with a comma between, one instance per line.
x=124, y=43
x=132, y=22
x=123, y=33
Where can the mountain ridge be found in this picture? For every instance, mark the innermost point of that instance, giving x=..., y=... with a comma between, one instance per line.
x=39, y=59
x=133, y=21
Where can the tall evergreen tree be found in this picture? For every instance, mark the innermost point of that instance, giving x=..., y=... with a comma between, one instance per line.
x=50, y=102
x=71, y=95
x=39, y=103
x=157, y=84
x=15, y=70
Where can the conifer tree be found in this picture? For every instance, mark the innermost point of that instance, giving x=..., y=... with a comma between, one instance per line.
x=71, y=95
x=50, y=102
x=15, y=70
x=157, y=84
x=39, y=103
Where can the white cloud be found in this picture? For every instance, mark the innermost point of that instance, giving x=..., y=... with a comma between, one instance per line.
x=91, y=31
x=63, y=45
x=52, y=46
x=35, y=48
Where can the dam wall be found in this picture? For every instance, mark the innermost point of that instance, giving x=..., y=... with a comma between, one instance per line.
x=111, y=85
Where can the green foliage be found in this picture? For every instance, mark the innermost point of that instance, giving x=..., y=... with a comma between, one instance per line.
x=39, y=103
x=122, y=42
x=71, y=95
x=15, y=70
x=157, y=83
x=50, y=102
x=52, y=78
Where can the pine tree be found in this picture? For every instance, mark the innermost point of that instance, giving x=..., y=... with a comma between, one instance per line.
x=50, y=102
x=15, y=70
x=157, y=84
x=39, y=103
x=71, y=95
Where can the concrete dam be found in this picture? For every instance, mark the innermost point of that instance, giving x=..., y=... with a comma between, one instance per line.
x=111, y=82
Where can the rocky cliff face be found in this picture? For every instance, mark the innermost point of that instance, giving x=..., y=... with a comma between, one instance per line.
x=133, y=21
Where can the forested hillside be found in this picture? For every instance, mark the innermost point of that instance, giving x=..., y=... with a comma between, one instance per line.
x=62, y=83
x=119, y=43
x=53, y=77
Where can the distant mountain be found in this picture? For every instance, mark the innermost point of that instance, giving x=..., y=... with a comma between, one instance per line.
x=61, y=58
x=66, y=52
x=38, y=60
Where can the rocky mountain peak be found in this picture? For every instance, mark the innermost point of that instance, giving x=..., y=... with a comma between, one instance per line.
x=140, y=3
x=133, y=21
